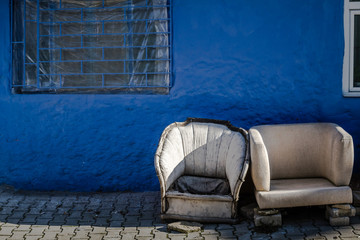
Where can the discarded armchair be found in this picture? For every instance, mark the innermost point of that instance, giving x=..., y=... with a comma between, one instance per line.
x=201, y=165
x=301, y=165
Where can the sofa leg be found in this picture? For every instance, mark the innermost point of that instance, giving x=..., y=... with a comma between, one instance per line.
x=267, y=218
x=339, y=214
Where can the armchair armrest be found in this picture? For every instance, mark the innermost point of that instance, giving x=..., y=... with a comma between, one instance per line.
x=260, y=167
x=237, y=162
x=342, y=157
x=169, y=158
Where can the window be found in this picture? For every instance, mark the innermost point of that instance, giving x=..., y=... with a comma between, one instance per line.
x=117, y=46
x=351, y=66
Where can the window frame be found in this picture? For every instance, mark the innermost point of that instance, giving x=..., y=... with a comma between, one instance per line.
x=131, y=89
x=351, y=8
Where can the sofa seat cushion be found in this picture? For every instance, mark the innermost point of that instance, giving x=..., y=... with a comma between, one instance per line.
x=302, y=192
x=201, y=185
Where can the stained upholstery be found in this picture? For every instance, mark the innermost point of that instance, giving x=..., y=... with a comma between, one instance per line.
x=201, y=185
x=301, y=164
x=200, y=149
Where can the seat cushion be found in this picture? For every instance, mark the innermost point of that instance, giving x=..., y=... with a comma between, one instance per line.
x=201, y=185
x=302, y=192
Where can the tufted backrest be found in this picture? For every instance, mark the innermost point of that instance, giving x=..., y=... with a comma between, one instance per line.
x=202, y=149
x=206, y=147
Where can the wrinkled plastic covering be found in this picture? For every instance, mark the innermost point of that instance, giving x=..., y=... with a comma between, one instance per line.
x=101, y=44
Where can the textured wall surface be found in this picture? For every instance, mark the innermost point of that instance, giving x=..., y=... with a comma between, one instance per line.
x=250, y=62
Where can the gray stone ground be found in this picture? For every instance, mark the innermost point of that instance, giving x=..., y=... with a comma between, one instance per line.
x=78, y=216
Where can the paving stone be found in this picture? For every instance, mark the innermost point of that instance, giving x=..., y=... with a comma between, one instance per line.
x=176, y=236
x=241, y=227
x=128, y=236
x=160, y=235
x=23, y=227
x=7, y=210
x=278, y=235
x=116, y=223
x=7, y=231
x=75, y=214
x=8, y=224
x=104, y=222
x=145, y=230
x=30, y=218
x=226, y=233
x=35, y=232
x=117, y=217
x=346, y=231
x=295, y=236
x=72, y=221
x=49, y=235
x=143, y=237
x=43, y=221
x=81, y=234
x=130, y=230
x=131, y=224
x=96, y=236
x=210, y=226
x=214, y=237
x=3, y=217
x=17, y=215
x=32, y=237
x=145, y=223
x=113, y=234
x=18, y=235
x=231, y=238
x=315, y=238
x=210, y=232
x=68, y=230
x=330, y=234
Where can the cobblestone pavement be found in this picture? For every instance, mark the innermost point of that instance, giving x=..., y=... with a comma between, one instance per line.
x=79, y=216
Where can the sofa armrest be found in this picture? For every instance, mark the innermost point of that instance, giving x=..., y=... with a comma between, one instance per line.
x=260, y=167
x=342, y=157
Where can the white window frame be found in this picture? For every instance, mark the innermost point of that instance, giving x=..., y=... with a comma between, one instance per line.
x=350, y=10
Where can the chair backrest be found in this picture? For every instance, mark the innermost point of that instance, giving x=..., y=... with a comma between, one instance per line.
x=298, y=150
x=207, y=146
x=201, y=147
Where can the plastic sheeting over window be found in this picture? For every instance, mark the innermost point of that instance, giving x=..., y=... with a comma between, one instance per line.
x=91, y=45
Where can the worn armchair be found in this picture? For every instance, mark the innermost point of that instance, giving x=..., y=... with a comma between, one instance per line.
x=201, y=165
x=301, y=165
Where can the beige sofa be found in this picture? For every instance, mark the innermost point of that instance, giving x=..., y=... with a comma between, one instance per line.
x=201, y=165
x=301, y=164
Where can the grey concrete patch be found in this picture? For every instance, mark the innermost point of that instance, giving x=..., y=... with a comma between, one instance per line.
x=340, y=211
x=339, y=221
x=185, y=227
x=263, y=218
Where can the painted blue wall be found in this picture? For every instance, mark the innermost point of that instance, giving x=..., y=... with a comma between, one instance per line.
x=250, y=62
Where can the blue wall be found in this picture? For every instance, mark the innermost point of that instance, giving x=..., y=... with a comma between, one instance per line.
x=250, y=62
